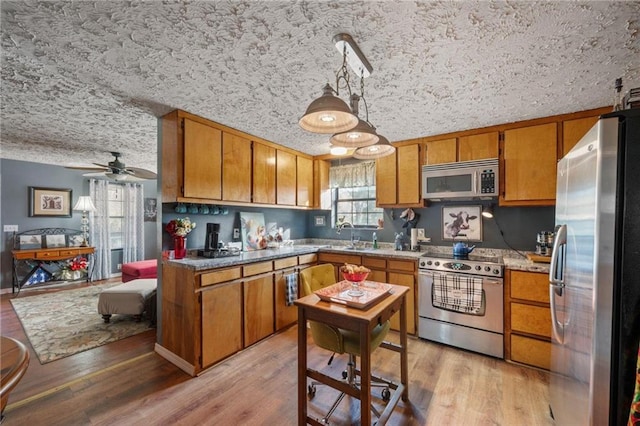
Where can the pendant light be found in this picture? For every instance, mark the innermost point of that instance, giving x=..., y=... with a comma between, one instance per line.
x=380, y=149
x=363, y=134
x=328, y=114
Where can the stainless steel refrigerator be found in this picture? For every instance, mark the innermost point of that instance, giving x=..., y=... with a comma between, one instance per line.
x=595, y=275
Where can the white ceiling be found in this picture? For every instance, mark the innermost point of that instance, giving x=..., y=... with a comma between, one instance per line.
x=80, y=79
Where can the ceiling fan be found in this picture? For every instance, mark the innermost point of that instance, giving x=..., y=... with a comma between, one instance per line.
x=117, y=170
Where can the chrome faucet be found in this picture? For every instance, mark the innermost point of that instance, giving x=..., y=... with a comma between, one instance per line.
x=341, y=225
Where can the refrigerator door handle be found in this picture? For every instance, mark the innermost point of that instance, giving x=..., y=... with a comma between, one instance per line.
x=556, y=279
x=556, y=274
x=555, y=325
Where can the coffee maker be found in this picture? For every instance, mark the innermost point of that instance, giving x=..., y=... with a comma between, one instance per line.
x=212, y=243
x=211, y=240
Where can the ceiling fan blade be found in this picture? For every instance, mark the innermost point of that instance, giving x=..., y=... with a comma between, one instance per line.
x=88, y=168
x=107, y=167
x=141, y=173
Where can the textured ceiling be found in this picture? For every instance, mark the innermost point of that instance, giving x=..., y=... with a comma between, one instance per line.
x=80, y=79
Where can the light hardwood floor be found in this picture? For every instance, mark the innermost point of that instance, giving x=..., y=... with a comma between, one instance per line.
x=126, y=383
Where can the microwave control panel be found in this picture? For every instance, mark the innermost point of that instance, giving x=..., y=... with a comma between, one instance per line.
x=488, y=181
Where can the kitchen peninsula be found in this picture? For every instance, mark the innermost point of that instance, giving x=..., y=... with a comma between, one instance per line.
x=213, y=308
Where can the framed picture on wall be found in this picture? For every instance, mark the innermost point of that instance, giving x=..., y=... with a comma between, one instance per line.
x=462, y=223
x=150, y=209
x=49, y=202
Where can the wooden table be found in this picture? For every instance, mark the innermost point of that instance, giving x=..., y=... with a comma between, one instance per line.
x=362, y=321
x=14, y=361
x=45, y=255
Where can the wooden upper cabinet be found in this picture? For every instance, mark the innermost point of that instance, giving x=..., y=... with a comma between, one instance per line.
x=236, y=168
x=304, y=182
x=442, y=151
x=478, y=147
x=264, y=174
x=386, y=180
x=574, y=130
x=202, y=161
x=321, y=190
x=529, y=165
x=408, y=163
x=286, y=189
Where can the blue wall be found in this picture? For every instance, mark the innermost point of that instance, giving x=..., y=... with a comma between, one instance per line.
x=15, y=179
x=292, y=219
x=519, y=225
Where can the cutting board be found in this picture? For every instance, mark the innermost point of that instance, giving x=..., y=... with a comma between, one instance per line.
x=539, y=259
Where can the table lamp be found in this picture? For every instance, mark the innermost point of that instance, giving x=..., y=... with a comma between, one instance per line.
x=85, y=205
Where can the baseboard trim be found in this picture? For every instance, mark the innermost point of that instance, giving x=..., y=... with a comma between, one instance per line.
x=175, y=360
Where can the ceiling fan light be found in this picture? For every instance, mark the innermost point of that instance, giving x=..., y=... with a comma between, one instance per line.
x=381, y=149
x=328, y=114
x=117, y=176
x=362, y=135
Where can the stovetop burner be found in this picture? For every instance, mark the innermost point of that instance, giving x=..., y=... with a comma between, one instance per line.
x=470, y=257
x=471, y=264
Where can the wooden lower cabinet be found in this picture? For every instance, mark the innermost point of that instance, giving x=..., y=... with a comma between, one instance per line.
x=221, y=322
x=531, y=351
x=407, y=280
x=527, y=318
x=258, y=308
x=285, y=315
x=212, y=314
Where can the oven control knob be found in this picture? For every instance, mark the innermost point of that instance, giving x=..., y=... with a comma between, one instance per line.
x=429, y=262
x=478, y=268
x=496, y=271
x=422, y=263
x=487, y=268
x=436, y=263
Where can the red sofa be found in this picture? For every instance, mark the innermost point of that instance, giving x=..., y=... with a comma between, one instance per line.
x=140, y=269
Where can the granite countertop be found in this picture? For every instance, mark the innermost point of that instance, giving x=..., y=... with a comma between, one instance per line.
x=512, y=260
x=523, y=264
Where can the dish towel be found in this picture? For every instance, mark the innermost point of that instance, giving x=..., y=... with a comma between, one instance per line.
x=457, y=293
x=291, y=288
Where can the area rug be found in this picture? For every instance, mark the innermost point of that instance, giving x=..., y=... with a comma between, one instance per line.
x=67, y=322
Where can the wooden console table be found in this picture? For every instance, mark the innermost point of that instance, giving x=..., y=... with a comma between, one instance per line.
x=38, y=256
x=361, y=321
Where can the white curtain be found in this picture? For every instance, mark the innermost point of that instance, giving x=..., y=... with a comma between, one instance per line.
x=133, y=226
x=99, y=229
x=351, y=175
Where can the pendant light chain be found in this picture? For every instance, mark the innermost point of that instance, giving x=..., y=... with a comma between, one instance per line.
x=343, y=73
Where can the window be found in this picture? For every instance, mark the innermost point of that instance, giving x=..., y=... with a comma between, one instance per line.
x=354, y=195
x=116, y=215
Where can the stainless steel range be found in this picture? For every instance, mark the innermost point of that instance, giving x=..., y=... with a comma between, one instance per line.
x=461, y=302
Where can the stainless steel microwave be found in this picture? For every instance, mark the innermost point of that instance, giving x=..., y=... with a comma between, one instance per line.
x=463, y=180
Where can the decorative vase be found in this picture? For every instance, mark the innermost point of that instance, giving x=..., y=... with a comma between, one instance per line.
x=179, y=247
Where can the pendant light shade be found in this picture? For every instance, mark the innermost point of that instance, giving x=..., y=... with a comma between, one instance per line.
x=328, y=114
x=380, y=149
x=362, y=135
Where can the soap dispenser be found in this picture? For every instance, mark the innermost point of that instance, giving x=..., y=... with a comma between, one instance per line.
x=375, y=240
